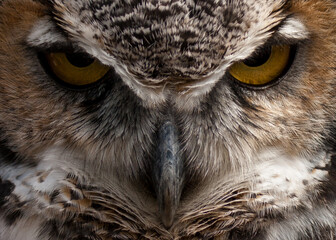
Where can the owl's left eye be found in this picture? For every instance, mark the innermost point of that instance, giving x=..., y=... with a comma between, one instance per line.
x=75, y=69
x=264, y=67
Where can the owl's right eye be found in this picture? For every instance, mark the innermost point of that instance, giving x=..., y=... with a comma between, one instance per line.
x=75, y=69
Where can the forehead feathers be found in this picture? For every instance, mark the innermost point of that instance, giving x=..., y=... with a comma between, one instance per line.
x=182, y=40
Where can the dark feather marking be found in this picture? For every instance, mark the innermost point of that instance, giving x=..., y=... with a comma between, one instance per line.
x=54, y=195
x=6, y=188
x=13, y=216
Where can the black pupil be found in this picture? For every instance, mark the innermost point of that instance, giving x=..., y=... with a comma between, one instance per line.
x=259, y=58
x=79, y=59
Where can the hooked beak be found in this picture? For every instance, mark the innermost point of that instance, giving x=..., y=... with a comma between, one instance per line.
x=168, y=173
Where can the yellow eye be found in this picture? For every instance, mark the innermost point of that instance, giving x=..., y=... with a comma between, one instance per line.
x=264, y=67
x=76, y=69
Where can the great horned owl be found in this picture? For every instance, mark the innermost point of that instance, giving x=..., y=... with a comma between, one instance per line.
x=167, y=119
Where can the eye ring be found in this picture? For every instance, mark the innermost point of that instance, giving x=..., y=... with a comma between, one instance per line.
x=73, y=70
x=264, y=68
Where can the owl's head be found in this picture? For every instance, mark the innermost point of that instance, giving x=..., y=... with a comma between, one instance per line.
x=184, y=103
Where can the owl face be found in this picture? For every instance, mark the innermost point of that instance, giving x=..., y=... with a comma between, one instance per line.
x=167, y=119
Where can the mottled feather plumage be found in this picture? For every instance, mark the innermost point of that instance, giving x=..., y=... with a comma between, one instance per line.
x=243, y=163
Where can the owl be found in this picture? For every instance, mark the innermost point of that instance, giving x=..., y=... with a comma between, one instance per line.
x=167, y=119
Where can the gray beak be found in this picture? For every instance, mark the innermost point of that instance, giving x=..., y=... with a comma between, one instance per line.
x=168, y=173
